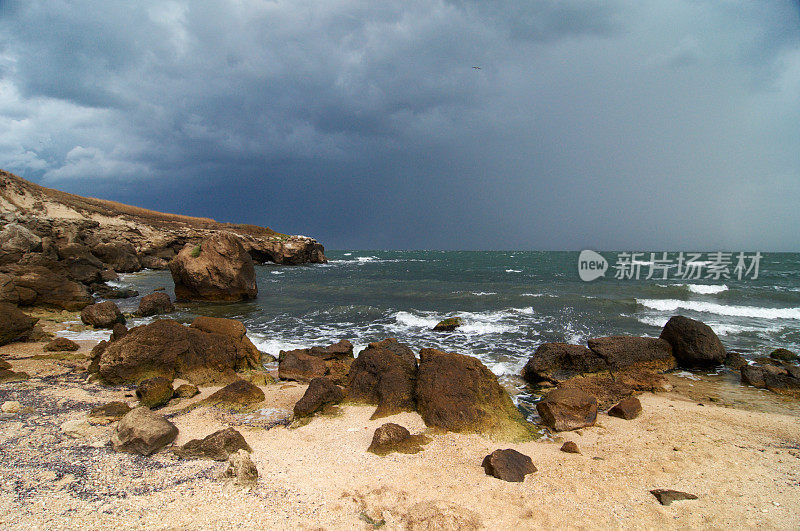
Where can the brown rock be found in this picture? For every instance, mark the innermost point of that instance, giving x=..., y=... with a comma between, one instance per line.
x=568, y=409
x=628, y=408
x=622, y=352
x=154, y=392
x=14, y=324
x=240, y=394
x=110, y=412
x=118, y=331
x=448, y=325
x=155, y=304
x=320, y=392
x=120, y=256
x=143, y=432
x=333, y=361
x=247, y=355
x=218, y=446
x=609, y=389
x=458, y=393
x=17, y=239
x=667, y=496
x=508, y=465
x=61, y=344
x=39, y=286
x=169, y=349
x=783, y=354
x=735, y=361
x=102, y=315
x=392, y=437
x=384, y=374
x=79, y=263
x=556, y=362
x=778, y=377
x=218, y=269
x=186, y=391
x=570, y=447
x=694, y=344
x=7, y=375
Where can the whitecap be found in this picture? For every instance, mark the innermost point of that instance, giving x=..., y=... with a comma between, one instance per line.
x=671, y=305
x=513, y=270
x=531, y=295
x=483, y=293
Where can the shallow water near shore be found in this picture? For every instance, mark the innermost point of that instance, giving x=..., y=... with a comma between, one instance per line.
x=510, y=303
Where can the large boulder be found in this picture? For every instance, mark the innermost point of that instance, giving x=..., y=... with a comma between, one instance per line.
x=80, y=265
x=143, y=432
x=14, y=324
x=384, y=374
x=458, y=393
x=621, y=352
x=217, y=269
x=119, y=255
x=39, y=286
x=303, y=365
x=556, y=362
x=247, y=355
x=320, y=392
x=779, y=377
x=8, y=289
x=102, y=315
x=609, y=388
x=18, y=240
x=156, y=303
x=218, y=446
x=169, y=349
x=508, y=465
x=694, y=344
x=567, y=409
x=61, y=344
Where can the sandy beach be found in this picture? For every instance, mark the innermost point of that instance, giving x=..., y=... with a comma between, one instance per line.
x=57, y=471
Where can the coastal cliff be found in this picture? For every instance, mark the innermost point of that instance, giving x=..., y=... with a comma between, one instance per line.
x=47, y=236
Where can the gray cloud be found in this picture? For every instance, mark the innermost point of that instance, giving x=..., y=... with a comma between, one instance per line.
x=590, y=124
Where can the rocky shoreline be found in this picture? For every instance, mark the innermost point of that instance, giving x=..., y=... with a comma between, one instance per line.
x=57, y=249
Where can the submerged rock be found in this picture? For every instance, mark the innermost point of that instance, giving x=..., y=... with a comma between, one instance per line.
x=392, y=437
x=779, y=377
x=143, y=432
x=783, y=354
x=217, y=269
x=385, y=373
x=102, y=315
x=218, y=446
x=568, y=409
x=694, y=344
x=448, y=325
x=320, y=392
x=508, y=465
x=458, y=393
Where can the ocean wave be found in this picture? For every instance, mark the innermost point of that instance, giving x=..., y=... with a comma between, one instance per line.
x=513, y=270
x=483, y=293
x=531, y=295
x=276, y=272
x=721, y=329
x=474, y=323
x=670, y=305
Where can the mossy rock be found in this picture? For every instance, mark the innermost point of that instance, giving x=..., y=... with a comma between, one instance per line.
x=783, y=354
x=196, y=251
x=448, y=325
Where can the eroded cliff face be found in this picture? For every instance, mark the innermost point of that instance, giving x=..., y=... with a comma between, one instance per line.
x=61, y=235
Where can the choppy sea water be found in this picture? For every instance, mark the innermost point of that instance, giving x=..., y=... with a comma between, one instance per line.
x=510, y=302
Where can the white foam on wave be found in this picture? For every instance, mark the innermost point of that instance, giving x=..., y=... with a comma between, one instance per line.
x=531, y=295
x=274, y=346
x=415, y=321
x=276, y=272
x=721, y=329
x=363, y=259
x=483, y=293
x=705, y=289
x=347, y=254
x=513, y=270
x=474, y=323
x=670, y=305
x=85, y=335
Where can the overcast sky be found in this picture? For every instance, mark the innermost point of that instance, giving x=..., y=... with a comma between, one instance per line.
x=633, y=124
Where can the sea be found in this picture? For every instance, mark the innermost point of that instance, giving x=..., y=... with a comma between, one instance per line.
x=510, y=302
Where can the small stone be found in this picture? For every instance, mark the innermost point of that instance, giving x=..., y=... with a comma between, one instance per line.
x=508, y=465
x=77, y=429
x=154, y=392
x=570, y=447
x=627, y=409
x=61, y=344
x=391, y=437
x=11, y=406
x=320, y=392
x=143, y=432
x=241, y=470
x=186, y=391
x=667, y=496
x=218, y=446
x=110, y=412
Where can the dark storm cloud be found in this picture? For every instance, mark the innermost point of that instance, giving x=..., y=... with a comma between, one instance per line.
x=589, y=124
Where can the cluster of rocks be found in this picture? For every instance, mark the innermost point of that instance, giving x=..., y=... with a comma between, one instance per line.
x=57, y=249
x=450, y=391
